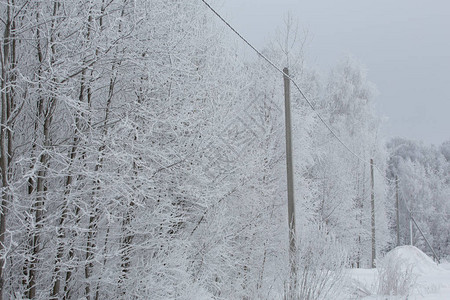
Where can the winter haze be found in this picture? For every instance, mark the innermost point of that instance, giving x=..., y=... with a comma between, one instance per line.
x=404, y=44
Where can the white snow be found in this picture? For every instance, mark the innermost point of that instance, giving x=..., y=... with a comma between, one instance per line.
x=422, y=263
x=431, y=280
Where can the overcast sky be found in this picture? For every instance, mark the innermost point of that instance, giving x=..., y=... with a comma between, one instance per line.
x=405, y=45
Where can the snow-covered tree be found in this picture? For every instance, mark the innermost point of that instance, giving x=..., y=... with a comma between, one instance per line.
x=423, y=174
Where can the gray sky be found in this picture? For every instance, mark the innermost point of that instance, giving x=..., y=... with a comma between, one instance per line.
x=405, y=45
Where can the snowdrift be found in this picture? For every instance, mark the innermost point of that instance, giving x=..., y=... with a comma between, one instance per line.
x=403, y=272
x=412, y=256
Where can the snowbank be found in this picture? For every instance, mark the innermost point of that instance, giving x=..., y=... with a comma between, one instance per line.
x=432, y=281
x=411, y=256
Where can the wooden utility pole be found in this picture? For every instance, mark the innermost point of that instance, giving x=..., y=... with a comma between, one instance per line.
x=372, y=201
x=411, y=230
x=397, y=210
x=290, y=189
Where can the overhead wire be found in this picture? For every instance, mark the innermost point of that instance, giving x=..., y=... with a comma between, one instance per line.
x=312, y=107
x=315, y=111
x=330, y=129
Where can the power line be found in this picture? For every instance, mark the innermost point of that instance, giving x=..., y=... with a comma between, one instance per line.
x=296, y=86
x=418, y=227
x=421, y=232
x=317, y=113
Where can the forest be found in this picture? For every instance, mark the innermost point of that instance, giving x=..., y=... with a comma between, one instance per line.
x=143, y=157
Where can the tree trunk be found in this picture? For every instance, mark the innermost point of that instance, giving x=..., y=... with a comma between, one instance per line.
x=92, y=226
x=7, y=56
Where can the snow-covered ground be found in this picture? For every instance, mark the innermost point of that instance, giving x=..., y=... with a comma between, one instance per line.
x=406, y=268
